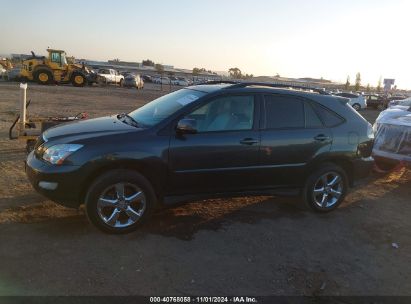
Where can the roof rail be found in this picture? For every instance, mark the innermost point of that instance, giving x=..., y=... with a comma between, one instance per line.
x=219, y=82
x=277, y=85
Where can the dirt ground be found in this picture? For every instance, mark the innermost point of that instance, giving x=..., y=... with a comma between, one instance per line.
x=243, y=246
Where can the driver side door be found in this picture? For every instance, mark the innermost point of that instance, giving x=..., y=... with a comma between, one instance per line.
x=223, y=154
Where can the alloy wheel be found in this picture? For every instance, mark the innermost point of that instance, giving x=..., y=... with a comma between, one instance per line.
x=121, y=205
x=328, y=189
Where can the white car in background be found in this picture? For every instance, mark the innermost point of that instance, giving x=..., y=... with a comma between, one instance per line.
x=397, y=102
x=165, y=80
x=110, y=76
x=183, y=82
x=358, y=102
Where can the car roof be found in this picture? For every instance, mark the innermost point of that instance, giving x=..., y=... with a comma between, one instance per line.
x=209, y=88
x=325, y=99
x=268, y=88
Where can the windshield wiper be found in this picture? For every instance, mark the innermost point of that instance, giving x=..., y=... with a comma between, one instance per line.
x=124, y=117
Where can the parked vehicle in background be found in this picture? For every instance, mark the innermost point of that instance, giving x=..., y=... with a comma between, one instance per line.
x=358, y=102
x=174, y=80
x=109, y=76
x=183, y=82
x=2, y=72
x=161, y=80
x=394, y=100
x=147, y=78
x=404, y=104
x=133, y=81
x=13, y=74
x=200, y=142
x=165, y=80
x=375, y=101
x=392, y=136
x=92, y=77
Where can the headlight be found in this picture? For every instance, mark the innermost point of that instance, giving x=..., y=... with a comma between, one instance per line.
x=58, y=153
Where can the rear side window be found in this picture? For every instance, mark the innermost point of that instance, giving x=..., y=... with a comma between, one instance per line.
x=311, y=118
x=329, y=118
x=284, y=112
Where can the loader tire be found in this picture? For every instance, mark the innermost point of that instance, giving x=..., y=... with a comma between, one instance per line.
x=78, y=80
x=43, y=77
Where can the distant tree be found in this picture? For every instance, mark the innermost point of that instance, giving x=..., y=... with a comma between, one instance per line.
x=148, y=62
x=116, y=60
x=159, y=68
x=368, y=88
x=379, y=85
x=347, y=83
x=235, y=73
x=247, y=76
x=357, y=81
x=197, y=71
x=277, y=75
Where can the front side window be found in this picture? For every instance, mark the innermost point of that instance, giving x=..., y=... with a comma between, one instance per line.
x=159, y=109
x=55, y=57
x=228, y=113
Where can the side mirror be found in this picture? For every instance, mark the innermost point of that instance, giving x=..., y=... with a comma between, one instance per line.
x=187, y=126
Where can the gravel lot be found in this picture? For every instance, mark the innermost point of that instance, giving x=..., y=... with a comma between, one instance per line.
x=244, y=246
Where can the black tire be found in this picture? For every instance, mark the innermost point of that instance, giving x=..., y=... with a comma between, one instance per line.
x=75, y=79
x=39, y=78
x=385, y=165
x=309, y=200
x=109, y=179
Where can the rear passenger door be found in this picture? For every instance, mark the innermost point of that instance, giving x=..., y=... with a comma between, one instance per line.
x=292, y=135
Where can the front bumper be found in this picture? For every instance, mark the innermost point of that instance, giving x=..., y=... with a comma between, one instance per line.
x=61, y=184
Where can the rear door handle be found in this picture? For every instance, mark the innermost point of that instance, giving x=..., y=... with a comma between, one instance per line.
x=248, y=141
x=321, y=137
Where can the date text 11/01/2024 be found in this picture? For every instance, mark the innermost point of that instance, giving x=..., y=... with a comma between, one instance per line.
x=203, y=300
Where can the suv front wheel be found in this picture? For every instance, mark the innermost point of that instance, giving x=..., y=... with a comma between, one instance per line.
x=326, y=188
x=119, y=201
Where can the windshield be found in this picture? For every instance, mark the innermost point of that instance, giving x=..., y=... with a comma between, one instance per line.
x=159, y=109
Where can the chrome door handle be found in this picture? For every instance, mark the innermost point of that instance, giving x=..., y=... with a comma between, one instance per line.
x=321, y=137
x=248, y=141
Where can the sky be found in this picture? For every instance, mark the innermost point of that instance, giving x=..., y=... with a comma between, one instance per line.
x=293, y=38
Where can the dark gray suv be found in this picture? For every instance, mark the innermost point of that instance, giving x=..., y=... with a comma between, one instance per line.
x=204, y=141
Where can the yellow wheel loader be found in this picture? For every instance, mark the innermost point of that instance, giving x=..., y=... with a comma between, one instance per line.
x=54, y=69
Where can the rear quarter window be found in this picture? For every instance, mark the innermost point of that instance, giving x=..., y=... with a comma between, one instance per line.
x=328, y=117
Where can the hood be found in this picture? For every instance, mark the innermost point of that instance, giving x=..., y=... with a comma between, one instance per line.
x=83, y=129
x=394, y=116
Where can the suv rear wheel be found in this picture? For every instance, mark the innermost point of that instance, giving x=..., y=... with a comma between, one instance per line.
x=119, y=201
x=326, y=188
